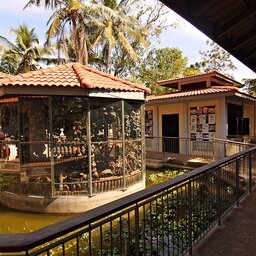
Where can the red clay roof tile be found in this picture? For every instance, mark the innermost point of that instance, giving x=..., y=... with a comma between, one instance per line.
x=9, y=100
x=207, y=91
x=73, y=75
x=207, y=74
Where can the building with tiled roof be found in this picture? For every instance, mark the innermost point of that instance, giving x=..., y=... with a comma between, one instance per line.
x=72, y=75
x=202, y=107
x=209, y=78
x=68, y=133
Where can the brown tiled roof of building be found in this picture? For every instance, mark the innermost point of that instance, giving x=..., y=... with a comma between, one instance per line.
x=210, y=73
x=9, y=100
x=207, y=91
x=72, y=75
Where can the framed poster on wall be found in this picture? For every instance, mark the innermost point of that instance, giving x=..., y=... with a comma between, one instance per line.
x=202, y=122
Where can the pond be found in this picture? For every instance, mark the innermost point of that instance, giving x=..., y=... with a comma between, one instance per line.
x=13, y=221
x=23, y=222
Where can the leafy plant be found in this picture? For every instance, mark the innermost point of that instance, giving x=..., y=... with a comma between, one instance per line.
x=158, y=177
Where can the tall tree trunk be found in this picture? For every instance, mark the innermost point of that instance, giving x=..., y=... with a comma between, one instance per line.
x=108, y=59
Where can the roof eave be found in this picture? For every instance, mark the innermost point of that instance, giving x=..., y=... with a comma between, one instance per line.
x=191, y=97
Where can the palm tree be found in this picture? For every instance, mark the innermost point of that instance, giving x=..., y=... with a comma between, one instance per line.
x=119, y=31
x=76, y=20
x=91, y=27
x=53, y=4
x=25, y=53
x=68, y=21
x=122, y=32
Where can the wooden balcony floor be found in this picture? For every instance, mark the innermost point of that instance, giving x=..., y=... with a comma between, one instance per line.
x=236, y=236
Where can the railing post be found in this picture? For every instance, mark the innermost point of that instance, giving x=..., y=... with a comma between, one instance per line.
x=213, y=144
x=190, y=218
x=89, y=147
x=250, y=173
x=237, y=182
x=218, y=197
x=137, y=231
x=164, y=142
x=51, y=147
x=124, y=146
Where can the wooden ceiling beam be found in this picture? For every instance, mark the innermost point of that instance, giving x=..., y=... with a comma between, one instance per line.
x=250, y=54
x=235, y=22
x=202, y=9
x=244, y=40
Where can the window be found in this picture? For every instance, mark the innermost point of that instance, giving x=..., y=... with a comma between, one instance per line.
x=237, y=124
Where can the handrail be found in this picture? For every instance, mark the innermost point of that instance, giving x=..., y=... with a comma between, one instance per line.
x=25, y=242
x=209, y=140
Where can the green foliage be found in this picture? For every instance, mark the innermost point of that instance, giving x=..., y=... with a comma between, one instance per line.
x=160, y=64
x=161, y=176
x=110, y=35
x=191, y=71
x=22, y=55
x=6, y=180
x=151, y=15
x=250, y=86
x=46, y=3
x=215, y=58
x=8, y=67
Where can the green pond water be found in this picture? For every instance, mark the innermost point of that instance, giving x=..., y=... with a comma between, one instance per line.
x=12, y=221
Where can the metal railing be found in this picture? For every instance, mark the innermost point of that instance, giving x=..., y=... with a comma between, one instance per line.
x=43, y=188
x=208, y=149
x=166, y=219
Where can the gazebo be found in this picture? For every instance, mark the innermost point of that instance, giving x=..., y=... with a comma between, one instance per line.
x=71, y=138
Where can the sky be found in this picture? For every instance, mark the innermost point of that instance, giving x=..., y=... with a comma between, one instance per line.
x=186, y=37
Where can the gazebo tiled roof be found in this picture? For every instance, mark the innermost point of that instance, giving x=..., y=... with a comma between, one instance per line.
x=72, y=75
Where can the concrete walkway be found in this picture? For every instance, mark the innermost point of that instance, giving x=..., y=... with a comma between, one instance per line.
x=237, y=234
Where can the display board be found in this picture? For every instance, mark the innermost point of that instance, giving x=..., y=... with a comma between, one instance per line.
x=202, y=123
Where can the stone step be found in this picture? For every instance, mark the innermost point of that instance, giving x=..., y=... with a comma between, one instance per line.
x=197, y=162
x=9, y=165
x=10, y=171
x=154, y=163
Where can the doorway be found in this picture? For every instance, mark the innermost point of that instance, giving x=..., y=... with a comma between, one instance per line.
x=170, y=129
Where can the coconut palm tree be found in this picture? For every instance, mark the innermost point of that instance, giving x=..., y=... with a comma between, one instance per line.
x=119, y=31
x=76, y=20
x=25, y=53
x=53, y=4
x=122, y=32
x=116, y=31
x=68, y=21
x=91, y=27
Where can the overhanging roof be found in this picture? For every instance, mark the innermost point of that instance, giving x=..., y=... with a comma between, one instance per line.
x=230, y=23
x=202, y=94
x=212, y=75
x=72, y=75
